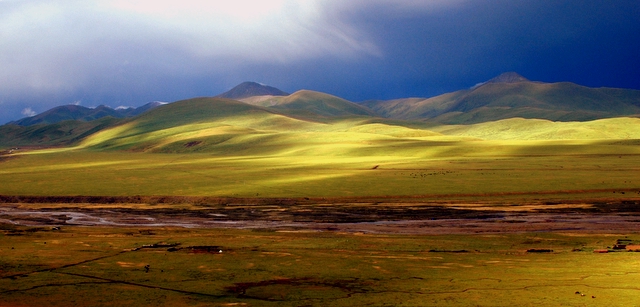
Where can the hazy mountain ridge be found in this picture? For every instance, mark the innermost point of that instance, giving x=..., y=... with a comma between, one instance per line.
x=77, y=112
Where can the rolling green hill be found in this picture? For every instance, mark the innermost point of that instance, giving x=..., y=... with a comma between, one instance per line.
x=198, y=122
x=507, y=107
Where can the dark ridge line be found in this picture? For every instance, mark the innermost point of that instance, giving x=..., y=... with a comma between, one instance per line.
x=57, y=285
x=143, y=285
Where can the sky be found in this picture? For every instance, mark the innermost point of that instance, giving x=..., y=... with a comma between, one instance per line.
x=128, y=53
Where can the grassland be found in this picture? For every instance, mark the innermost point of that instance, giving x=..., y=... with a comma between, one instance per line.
x=536, y=169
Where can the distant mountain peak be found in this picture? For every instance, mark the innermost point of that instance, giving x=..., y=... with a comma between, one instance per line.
x=249, y=89
x=508, y=77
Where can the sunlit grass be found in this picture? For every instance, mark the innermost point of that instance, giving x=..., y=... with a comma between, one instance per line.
x=343, y=165
x=538, y=129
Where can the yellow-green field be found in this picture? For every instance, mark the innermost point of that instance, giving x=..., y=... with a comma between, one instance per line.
x=404, y=169
x=77, y=266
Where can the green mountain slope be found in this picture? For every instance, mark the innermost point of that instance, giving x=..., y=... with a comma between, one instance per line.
x=511, y=96
x=61, y=133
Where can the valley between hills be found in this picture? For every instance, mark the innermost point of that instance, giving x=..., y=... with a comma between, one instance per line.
x=500, y=193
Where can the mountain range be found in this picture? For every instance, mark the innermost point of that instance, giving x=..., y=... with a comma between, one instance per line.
x=511, y=95
x=504, y=97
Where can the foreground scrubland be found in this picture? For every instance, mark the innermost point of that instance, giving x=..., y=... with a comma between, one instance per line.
x=76, y=266
x=188, y=267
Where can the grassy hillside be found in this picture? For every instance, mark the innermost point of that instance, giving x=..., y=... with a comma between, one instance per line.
x=539, y=129
x=194, y=124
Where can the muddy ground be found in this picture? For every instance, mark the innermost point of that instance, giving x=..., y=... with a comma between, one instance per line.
x=313, y=215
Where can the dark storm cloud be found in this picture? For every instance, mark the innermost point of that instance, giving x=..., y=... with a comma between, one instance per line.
x=594, y=43
x=124, y=53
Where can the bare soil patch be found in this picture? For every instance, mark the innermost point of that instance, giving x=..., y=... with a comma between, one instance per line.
x=312, y=215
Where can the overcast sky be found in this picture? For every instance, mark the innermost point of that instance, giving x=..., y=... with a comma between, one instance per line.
x=128, y=53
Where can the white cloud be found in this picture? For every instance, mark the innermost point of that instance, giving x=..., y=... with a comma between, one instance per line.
x=28, y=112
x=63, y=45
x=266, y=30
x=54, y=46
